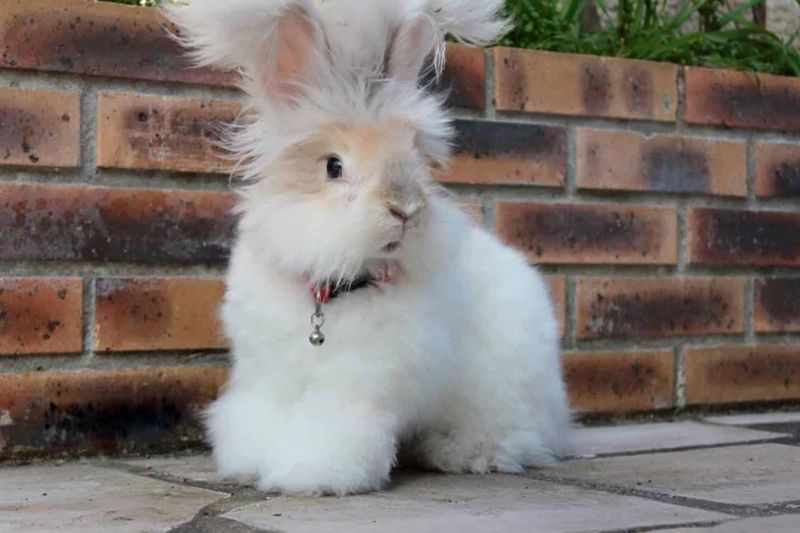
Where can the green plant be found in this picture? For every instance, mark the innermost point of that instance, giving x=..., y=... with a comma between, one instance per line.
x=646, y=29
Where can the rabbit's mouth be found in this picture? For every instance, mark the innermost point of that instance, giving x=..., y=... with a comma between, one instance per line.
x=391, y=247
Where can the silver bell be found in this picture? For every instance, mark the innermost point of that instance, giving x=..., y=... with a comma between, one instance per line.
x=316, y=338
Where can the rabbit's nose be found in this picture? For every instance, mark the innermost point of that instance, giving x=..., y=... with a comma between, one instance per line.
x=403, y=213
x=398, y=212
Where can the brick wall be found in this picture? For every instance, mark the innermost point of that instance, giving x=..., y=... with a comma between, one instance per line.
x=661, y=202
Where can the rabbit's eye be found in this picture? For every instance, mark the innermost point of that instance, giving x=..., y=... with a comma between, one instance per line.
x=334, y=167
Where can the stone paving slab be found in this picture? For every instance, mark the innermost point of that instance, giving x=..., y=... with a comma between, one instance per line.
x=85, y=498
x=198, y=467
x=588, y=442
x=753, y=474
x=769, y=524
x=756, y=419
x=593, y=441
x=439, y=503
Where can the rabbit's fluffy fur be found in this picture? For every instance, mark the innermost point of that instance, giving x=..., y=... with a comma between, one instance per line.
x=454, y=354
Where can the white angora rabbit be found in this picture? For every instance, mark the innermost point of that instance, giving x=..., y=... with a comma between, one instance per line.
x=427, y=332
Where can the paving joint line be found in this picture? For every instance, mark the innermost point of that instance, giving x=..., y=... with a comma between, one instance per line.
x=772, y=440
x=662, y=527
x=733, y=510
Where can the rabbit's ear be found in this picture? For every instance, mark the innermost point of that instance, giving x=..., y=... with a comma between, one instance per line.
x=295, y=43
x=274, y=43
x=413, y=43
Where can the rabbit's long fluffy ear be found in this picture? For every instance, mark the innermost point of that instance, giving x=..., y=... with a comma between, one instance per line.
x=413, y=42
x=273, y=42
x=430, y=21
x=472, y=21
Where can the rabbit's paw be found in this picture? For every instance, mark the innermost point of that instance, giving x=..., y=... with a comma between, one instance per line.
x=334, y=451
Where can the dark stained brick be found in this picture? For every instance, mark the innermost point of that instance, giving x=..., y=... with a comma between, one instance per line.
x=41, y=316
x=589, y=233
x=731, y=374
x=640, y=308
x=606, y=382
x=738, y=237
x=39, y=128
x=464, y=77
x=777, y=305
x=96, y=38
x=160, y=133
x=743, y=100
x=570, y=84
x=76, y=223
x=110, y=411
x=778, y=170
x=507, y=153
x=665, y=163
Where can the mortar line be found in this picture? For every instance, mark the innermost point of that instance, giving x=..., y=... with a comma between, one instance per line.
x=535, y=192
x=571, y=313
x=683, y=238
x=749, y=310
x=88, y=136
x=57, y=269
x=65, y=81
x=88, y=319
x=750, y=176
x=489, y=84
x=10, y=365
x=571, y=178
x=489, y=213
x=680, y=376
x=698, y=341
x=680, y=111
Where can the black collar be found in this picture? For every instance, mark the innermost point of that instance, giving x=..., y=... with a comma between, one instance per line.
x=361, y=281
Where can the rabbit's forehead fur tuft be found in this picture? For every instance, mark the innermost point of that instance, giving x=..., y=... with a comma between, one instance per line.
x=335, y=78
x=307, y=63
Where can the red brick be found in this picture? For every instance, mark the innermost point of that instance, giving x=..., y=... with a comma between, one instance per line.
x=41, y=316
x=507, y=153
x=39, y=128
x=160, y=133
x=640, y=308
x=96, y=38
x=777, y=305
x=743, y=100
x=557, y=285
x=569, y=84
x=739, y=237
x=590, y=233
x=606, y=382
x=778, y=170
x=77, y=223
x=664, y=163
x=464, y=76
x=147, y=314
x=125, y=410
x=733, y=374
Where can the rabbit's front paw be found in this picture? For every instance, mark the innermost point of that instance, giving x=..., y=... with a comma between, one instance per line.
x=333, y=449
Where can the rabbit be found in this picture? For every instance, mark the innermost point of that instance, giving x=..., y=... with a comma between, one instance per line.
x=365, y=310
